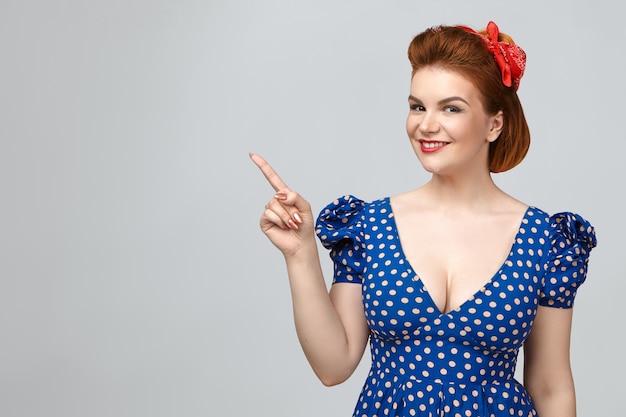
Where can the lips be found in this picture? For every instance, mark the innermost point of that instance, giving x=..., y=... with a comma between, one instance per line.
x=431, y=145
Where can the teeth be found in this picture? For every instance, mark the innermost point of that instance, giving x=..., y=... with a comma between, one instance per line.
x=431, y=145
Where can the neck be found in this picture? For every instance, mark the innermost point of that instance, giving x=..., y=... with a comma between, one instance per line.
x=458, y=192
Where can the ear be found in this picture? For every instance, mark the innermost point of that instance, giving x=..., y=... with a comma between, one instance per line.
x=497, y=123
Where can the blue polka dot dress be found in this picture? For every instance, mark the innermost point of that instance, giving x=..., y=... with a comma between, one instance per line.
x=462, y=363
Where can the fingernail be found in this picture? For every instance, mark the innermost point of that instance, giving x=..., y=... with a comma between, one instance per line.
x=293, y=224
x=280, y=196
x=297, y=217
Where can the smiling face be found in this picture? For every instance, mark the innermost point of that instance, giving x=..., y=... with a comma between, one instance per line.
x=447, y=124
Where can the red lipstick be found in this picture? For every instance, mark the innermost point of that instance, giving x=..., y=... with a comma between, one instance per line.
x=429, y=146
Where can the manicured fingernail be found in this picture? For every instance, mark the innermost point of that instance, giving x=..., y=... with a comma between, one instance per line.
x=280, y=196
x=293, y=224
x=297, y=217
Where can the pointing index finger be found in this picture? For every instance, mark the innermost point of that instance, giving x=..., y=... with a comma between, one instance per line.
x=272, y=177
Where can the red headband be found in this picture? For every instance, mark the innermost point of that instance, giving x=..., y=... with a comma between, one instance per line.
x=510, y=57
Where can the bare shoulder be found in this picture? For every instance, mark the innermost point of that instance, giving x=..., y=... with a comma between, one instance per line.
x=507, y=205
x=413, y=200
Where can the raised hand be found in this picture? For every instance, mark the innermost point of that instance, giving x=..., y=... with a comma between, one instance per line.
x=287, y=220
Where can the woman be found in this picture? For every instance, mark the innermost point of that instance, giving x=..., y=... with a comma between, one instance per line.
x=454, y=274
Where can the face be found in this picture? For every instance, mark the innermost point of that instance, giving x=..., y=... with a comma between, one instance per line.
x=448, y=127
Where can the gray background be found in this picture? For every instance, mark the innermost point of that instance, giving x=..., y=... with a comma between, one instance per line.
x=134, y=280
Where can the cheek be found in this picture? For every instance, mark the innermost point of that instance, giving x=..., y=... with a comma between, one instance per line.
x=457, y=128
x=411, y=125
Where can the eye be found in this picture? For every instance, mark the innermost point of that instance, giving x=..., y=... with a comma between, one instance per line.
x=416, y=107
x=451, y=109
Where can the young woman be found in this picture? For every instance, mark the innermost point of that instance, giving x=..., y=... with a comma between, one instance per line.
x=447, y=281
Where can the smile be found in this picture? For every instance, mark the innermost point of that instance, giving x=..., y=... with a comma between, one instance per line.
x=431, y=146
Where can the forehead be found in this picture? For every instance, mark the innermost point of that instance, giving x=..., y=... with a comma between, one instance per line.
x=435, y=82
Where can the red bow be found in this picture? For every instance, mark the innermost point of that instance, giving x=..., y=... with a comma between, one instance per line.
x=510, y=57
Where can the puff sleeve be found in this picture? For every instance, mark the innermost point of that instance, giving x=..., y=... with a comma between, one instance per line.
x=339, y=227
x=571, y=241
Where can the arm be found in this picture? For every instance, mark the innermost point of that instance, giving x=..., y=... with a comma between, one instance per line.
x=547, y=371
x=331, y=326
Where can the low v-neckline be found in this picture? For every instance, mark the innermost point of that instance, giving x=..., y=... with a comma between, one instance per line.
x=413, y=275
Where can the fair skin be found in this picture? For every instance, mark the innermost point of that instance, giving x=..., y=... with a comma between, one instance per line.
x=467, y=226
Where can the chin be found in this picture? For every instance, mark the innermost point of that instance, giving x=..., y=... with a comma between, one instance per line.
x=428, y=167
x=429, y=163
x=436, y=169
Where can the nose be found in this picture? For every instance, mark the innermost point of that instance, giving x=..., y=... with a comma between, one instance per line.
x=428, y=123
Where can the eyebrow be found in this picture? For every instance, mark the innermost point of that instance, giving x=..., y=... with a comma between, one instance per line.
x=442, y=101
